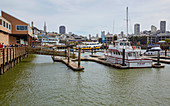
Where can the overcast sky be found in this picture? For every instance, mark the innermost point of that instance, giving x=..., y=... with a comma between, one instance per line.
x=86, y=17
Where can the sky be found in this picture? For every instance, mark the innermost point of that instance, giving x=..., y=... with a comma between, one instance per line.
x=84, y=17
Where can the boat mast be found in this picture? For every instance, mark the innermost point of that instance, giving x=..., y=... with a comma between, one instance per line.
x=127, y=21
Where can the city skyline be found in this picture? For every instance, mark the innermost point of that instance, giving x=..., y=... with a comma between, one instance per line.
x=89, y=16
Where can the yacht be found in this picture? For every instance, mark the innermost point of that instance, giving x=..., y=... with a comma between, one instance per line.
x=121, y=52
x=114, y=55
x=153, y=49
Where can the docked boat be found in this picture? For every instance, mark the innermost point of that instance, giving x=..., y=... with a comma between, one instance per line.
x=152, y=50
x=132, y=58
x=89, y=45
x=121, y=52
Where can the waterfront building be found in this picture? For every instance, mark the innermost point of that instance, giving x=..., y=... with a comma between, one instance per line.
x=163, y=26
x=137, y=29
x=14, y=30
x=156, y=38
x=108, y=38
x=102, y=34
x=5, y=31
x=62, y=29
x=153, y=29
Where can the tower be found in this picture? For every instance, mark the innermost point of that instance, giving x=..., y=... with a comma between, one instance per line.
x=62, y=29
x=137, y=29
x=45, y=27
x=163, y=26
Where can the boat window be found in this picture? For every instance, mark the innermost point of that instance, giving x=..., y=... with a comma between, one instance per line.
x=121, y=44
x=130, y=54
x=128, y=44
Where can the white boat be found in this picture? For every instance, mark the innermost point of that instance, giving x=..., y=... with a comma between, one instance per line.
x=114, y=55
x=153, y=49
x=121, y=52
x=89, y=45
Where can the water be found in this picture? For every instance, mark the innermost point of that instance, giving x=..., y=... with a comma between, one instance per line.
x=42, y=82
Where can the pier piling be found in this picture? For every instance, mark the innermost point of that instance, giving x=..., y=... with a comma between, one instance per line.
x=79, y=57
x=68, y=55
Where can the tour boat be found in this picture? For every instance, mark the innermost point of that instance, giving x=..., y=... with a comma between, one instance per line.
x=89, y=45
x=132, y=59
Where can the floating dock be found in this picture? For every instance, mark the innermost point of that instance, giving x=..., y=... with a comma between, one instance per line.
x=70, y=64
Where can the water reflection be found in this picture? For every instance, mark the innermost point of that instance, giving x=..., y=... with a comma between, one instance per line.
x=43, y=82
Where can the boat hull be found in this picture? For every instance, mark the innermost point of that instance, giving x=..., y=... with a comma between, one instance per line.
x=131, y=63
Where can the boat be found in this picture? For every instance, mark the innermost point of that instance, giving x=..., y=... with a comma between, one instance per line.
x=132, y=59
x=152, y=50
x=121, y=52
x=89, y=45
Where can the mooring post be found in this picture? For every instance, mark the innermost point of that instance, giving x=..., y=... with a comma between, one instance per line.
x=65, y=53
x=165, y=52
x=158, y=58
x=79, y=56
x=123, y=61
x=92, y=51
x=73, y=54
x=68, y=55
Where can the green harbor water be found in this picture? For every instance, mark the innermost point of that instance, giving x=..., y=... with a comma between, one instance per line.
x=39, y=81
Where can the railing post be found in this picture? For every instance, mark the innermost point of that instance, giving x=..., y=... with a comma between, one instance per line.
x=7, y=55
x=3, y=60
x=10, y=54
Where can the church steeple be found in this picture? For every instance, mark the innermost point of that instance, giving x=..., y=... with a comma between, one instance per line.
x=45, y=27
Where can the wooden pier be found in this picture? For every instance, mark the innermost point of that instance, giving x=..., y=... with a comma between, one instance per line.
x=9, y=57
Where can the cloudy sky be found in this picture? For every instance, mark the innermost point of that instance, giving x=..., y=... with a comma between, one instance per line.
x=86, y=17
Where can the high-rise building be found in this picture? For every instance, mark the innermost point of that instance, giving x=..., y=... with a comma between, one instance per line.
x=62, y=29
x=153, y=29
x=45, y=27
x=137, y=29
x=163, y=26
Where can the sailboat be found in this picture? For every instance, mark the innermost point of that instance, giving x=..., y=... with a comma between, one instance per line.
x=121, y=52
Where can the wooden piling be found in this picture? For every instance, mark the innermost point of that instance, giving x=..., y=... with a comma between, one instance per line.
x=68, y=55
x=165, y=52
x=73, y=54
x=79, y=57
x=158, y=58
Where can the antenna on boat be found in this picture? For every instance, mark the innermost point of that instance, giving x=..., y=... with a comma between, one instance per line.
x=127, y=20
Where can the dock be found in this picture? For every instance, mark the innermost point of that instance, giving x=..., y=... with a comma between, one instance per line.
x=11, y=56
x=70, y=64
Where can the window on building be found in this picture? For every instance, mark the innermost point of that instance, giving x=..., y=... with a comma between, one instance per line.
x=0, y=21
x=4, y=23
x=22, y=27
x=9, y=26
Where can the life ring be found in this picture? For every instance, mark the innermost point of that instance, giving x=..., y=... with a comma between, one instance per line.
x=133, y=47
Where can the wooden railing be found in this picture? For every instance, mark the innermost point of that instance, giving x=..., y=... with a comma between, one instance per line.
x=9, y=54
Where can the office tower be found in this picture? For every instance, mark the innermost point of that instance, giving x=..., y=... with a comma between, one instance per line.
x=62, y=29
x=153, y=29
x=163, y=26
x=137, y=29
